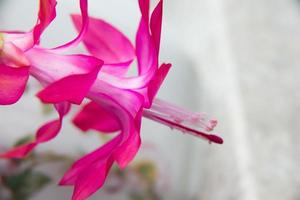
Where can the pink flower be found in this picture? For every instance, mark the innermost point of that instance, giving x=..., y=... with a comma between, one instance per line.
x=21, y=57
x=118, y=102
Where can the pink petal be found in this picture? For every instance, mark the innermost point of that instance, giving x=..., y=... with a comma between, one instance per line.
x=92, y=179
x=48, y=66
x=72, y=88
x=144, y=7
x=13, y=56
x=22, y=40
x=145, y=50
x=128, y=149
x=147, y=62
x=156, y=82
x=156, y=23
x=105, y=41
x=12, y=83
x=99, y=155
x=129, y=114
x=46, y=15
x=81, y=28
x=93, y=116
x=68, y=78
x=44, y=134
x=117, y=69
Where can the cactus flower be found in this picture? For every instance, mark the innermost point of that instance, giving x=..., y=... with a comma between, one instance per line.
x=117, y=101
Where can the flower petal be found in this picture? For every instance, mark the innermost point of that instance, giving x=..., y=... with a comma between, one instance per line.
x=13, y=56
x=147, y=57
x=44, y=134
x=89, y=173
x=46, y=15
x=156, y=23
x=144, y=7
x=68, y=78
x=156, y=82
x=99, y=155
x=105, y=41
x=12, y=83
x=22, y=40
x=93, y=116
x=72, y=88
x=82, y=28
x=129, y=114
x=92, y=179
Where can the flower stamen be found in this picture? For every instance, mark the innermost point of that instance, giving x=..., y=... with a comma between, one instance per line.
x=185, y=121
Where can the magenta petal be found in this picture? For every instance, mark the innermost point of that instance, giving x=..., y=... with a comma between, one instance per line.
x=128, y=149
x=81, y=28
x=93, y=116
x=144, y=7
x=147, y=62
x=47, y=13
x=92, y=179
x=158, y=79
x=105, y=41
x=99, y=155
x=44, y=134
x=72, y=88
x=156, y=23
x=19, y=152
x=12, y=83
x=129, y=114
x=145, y=50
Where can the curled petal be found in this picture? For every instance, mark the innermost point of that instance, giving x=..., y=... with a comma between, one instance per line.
x=72, y=88
x=147, y=57
x=130, y=119
x=89, y=173
x=156, y=82
x=12, y=83
x=80, y=166
x=145, y=50
x=129, y=148
x=156, y=23
x=82, y=28
x=68, y=78
x=44, y=134
x=105, y=41
x=46, y=15
x=144, y=7
x=26, y=40
x=93, y=116
x=92, y=179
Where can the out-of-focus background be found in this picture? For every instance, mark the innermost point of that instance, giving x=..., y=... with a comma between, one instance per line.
x=237, y=60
